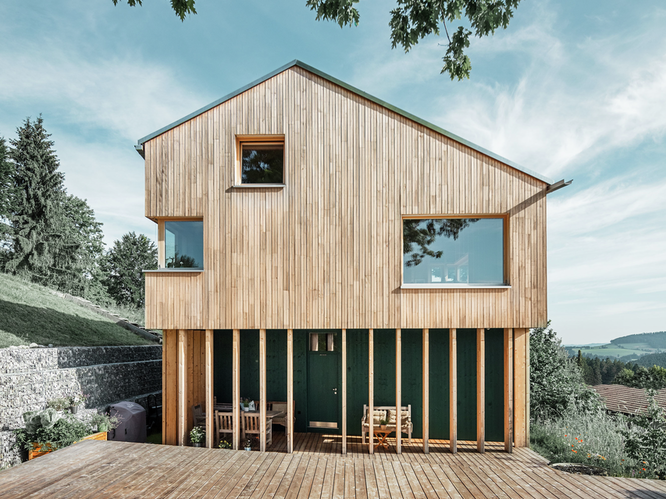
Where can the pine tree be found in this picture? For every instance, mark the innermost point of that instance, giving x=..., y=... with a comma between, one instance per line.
x=6, y=188
x=37, y=191
x=124, y=265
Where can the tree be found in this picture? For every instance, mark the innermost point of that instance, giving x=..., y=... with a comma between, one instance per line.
x=124, y=265
x=424, y=232
x=556, y=382
x=6, y=188
x=411, y=21
x=653, y=378
x=36, y=191
x=180, y=7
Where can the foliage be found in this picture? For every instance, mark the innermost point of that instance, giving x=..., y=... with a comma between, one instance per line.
x=224, y=444
x=424, y=232
x=6, y=188
x=124, y=265
x=59, y=404
x=652, y=359
x=51, y=428
x=598, y=371
x=104, y=422
x=413, y=20
x=652, y=378
x=556, y=382
x=587, y=437
x=180, y=7
x=197, y=435
x=646, y=439
x=654, y=340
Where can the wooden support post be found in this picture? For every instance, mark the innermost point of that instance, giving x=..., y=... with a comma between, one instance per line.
x=527, y=388
x=290, y=391
x=508, y=390
x=453, y=391
x=344, y=391
x=262, y=390
x=481, y=389
x=519, y=385
x=371, y=390
x=398, y=391
x=426, y=389
x=211, y=435
x=182, y=387
x=235, y=388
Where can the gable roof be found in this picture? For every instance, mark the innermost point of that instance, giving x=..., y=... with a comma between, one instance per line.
x=302, y=65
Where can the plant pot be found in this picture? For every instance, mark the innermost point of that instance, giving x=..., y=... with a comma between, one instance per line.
x=248, y=448
x=382, y=427
x=197, y=444
x=74, y=409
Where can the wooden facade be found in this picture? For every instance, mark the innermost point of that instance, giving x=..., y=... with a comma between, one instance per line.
x=324, y=251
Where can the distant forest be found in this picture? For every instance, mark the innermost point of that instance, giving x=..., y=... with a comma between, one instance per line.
x=648, y=371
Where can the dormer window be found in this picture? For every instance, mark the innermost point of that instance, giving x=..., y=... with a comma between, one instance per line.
x=261, y=161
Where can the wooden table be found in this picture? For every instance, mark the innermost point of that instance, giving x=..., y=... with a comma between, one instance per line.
x=381, y=436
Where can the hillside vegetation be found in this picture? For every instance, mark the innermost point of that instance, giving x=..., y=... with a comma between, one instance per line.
x=30, y=313
x=642, y=340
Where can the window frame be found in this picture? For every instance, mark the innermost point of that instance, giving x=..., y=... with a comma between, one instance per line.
x=443, y=285
x=161, y=245
x=265, y=139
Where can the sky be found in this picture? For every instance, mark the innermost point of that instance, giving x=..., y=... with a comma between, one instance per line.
x=573, y=90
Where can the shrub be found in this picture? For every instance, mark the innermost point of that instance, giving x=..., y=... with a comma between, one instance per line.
x=646, y=439
x=52, y=428
x=589, y=437
x=197, y=435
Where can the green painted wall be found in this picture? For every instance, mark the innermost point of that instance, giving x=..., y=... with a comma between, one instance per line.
x=495, y=385
x=412, y=376
x=357, y=378
x=439, y=383
x=466, y=384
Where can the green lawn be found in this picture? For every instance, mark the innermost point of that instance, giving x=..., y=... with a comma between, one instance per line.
x=612, y=351
x=30, y=313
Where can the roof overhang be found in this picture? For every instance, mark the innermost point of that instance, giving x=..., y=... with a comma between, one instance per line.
x=416, y=119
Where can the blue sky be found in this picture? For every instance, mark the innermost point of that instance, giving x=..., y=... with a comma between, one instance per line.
x=572, y=89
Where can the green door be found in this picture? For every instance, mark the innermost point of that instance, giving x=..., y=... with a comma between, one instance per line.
x=323, y=390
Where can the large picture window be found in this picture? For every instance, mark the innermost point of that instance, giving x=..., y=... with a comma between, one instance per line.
x=440, y=252
x=183, y=244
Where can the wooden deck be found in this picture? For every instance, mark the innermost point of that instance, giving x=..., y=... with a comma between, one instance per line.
x=120, y=469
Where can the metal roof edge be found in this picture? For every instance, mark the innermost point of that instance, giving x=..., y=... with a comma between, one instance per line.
x=357, y=91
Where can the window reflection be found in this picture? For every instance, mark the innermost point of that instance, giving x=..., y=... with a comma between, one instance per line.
x=183, y=245
x=442, y=251
x=262, y=163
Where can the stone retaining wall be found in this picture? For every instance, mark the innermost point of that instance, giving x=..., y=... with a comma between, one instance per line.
x=29, y=378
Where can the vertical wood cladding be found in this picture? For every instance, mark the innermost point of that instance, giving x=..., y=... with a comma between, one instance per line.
x=326, y=250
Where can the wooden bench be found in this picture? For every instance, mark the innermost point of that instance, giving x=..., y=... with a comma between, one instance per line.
x=388, y=412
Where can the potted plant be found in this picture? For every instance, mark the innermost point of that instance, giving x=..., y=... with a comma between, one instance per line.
x=103, y=422
x=59, y=404
x=247, y=405
x=197, y=436
x=383, y=423
x=248, y=444
x=224, y=444
x=75, y=401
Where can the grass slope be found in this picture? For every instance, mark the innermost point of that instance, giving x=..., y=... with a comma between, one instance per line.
x=30, y=313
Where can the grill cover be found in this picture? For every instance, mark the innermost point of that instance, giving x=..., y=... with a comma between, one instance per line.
x=132, y=426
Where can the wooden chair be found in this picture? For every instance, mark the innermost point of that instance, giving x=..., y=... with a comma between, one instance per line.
x=198, y=415
x=281, y=406
x=251, y=426
x=224, y=423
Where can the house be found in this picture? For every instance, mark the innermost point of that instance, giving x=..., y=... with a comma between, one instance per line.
x=322, y=247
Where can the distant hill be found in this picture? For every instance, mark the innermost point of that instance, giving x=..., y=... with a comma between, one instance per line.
x=653, y=340
x=30, y=313
x=652, y=359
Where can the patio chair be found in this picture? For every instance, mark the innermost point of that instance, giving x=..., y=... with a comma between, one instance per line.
x=251, y=426
x=282, y=407
x=224, y=424
x=198, y=415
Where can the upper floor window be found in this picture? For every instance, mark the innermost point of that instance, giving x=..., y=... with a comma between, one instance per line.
x=183, y=244
x=262, y=161
x=453, y=251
